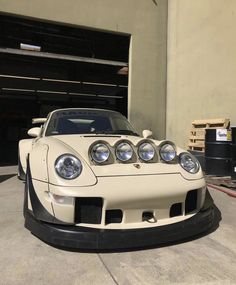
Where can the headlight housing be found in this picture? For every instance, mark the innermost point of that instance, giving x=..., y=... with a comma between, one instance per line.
x=146, y=151
x=68, y=166
x=168, y=152
x=100, y=152
x=124, y=151
x=189, y=162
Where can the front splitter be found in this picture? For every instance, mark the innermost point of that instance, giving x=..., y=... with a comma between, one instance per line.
x=101, y=239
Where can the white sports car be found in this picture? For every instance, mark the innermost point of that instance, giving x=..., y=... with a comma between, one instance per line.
x=93, y=183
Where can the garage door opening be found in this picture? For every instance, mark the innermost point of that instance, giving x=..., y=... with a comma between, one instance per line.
x=46, y=66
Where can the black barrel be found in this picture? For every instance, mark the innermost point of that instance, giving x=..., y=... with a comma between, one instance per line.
x=218, y=152
x=233, y=165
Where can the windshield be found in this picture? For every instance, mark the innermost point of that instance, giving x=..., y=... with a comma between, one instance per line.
x=88, y=122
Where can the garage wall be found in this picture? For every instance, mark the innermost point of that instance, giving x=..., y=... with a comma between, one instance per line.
x=201, y=64
x=146, y=21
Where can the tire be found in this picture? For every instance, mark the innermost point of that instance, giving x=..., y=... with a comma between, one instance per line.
x=25, y=204
x=21, y=174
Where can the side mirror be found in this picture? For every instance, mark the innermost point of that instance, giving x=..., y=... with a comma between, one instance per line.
x=34, y=132
x=147, y=134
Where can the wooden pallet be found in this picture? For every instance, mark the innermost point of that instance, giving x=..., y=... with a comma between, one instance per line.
x=222, y=123
x=197, y=133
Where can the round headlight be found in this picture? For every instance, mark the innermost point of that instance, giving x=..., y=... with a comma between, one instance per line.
x=124, y=151
x=100, y=152
x=146, y=151
x=68, y=166
x=189, y=162
x=167, y=152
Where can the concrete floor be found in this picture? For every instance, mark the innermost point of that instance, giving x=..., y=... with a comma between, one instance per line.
x=24, y=259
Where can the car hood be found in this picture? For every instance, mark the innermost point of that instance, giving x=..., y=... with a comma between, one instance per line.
x=80, y=145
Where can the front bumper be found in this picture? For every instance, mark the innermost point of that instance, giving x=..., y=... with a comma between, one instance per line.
x=131, y=194
x=100, y=239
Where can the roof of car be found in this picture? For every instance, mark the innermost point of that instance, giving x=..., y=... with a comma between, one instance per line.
x=84, y=109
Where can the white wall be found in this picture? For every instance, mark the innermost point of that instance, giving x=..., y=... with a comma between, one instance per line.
x=201, y=63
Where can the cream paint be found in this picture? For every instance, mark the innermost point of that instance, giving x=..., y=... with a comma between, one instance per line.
x=24, y=148
x=39, y=162
x=133, y=195
x=151, y=187
x=81, y=144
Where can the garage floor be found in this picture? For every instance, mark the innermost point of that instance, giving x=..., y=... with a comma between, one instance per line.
x=24, y=259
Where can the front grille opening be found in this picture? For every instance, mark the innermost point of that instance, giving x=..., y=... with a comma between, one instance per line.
x=113, y=216
x=176, y=210
x=191, y=201
x=88, y=210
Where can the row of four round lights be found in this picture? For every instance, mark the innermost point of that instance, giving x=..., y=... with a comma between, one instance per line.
x=124, y=152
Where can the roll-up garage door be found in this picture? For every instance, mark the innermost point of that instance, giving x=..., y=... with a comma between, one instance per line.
x=44, y=66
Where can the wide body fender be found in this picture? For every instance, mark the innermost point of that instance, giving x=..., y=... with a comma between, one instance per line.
x=24, y=148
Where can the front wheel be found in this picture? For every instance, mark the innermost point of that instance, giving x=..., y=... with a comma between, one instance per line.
x=25, y=204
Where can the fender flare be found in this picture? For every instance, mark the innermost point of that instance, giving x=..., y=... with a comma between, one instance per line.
x=24, y=147
x=39, y=212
